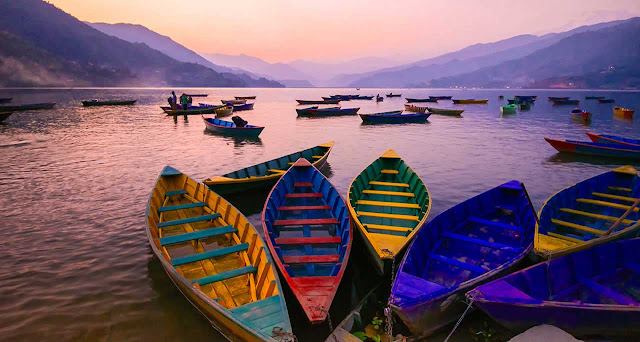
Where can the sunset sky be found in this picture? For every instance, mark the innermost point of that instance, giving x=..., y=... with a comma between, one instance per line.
x=332, y=30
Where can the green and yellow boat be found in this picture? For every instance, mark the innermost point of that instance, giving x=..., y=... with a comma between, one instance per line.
x=266, y=174
x=389, y=203
x=216, y=258
x=451, y=112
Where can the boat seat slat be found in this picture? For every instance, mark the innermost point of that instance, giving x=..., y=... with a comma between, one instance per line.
x=317, y=157
x=607, y=292
x=401, y=185
x=564, y=237
x=495, y=224
x=309, y=240
x=389, y=193
x=302, y=222
x=596, y=216
x=225, y=275
x=276, y=171
x=199, y=234
x=389, y=216
x=617, y=188
x=305, y=207
x=457, y=263
x=389, y=204
x=385, y=227
x=481, y=242
x=210, y=254
x=304, y=195
x=622, y=198
x=182, y=206
x=307, y=259
x=189, y=220
x=175, y=192
x=302, y=184
x=390, y=172
x=577, y=226
x=606, y=204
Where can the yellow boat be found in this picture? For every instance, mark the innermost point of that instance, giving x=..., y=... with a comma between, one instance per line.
x=592, y=212
x=216, y=258
x=470, y=101
x=389, y=203
x=265, y=175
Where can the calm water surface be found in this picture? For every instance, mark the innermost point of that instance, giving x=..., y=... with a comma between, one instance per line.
x=74, y=183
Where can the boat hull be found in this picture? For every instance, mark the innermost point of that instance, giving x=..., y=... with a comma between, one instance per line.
x=470, y=101
x=35, y=106
x=451, y=112
x=216, y=126
x=245, y=97
x=198, y=111
x=623, y=112
x=410, y=100
x=510, y=109
x=612, y=139
x=313, y=102
x=565, y=102
x=108, y=103
x=397, y=118
x=415, y=109
x=241, y=107
x=328, y=112
x=594, y=149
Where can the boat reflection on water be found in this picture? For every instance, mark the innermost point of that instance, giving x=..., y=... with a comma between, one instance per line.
x=237, y=141
x=568, y=158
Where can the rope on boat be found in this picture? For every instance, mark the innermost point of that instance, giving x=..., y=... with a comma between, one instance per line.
x=322, y=309
x=283, y=335
x=461, y=317
x=387, y=311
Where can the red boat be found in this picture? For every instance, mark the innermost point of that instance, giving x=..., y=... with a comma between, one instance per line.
x=624, y=112
x=580, y=115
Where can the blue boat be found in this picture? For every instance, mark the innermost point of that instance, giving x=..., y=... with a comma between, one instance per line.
x=612, y=139
x=469, y=244
x=394, y=117
x=308, y=230
x=595, y=149
x=246, y=106
x=230, y=128
x=333, y=111
x=591, y=292
x=565, y=102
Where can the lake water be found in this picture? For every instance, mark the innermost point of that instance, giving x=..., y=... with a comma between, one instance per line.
x=74, y=183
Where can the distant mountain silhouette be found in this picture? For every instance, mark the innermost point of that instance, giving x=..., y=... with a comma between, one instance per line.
x=51, y=35
x=606, y=58
x=278, y=71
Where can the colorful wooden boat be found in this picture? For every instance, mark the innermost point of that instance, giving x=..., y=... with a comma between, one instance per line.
x=626, y=113
x=379, y=98
x=313, y=102
x=358, y=97
x=441, y=97
x=394, y=95
x=593, y=292
x=453, y=112
x=565, y=102
x=230, y=128
x=234, y=102
x=469, y=244
x=241, y=107
x=33, y=106
x=358, y=318
x=583, y=214
x=193, y=110
x=555, y=98
x=596, y=149
x=224, y=111
x=415, y=109
x=216, y=258
x=334, y=111
x=508, y=109
x=470, y=101
x=388, y=202
x=606, y=100
x=5, y=99
x=524, y=106
x=96, y=103
x=197, y=95
x=265, y=175
x=580, y=115
x=394, y=117
x=411, y=100
x=308, y=231
x=594, y=97
x=245, y=97
x=525, y=97
x=612, y=139
x=5, y=115
x=510, y=101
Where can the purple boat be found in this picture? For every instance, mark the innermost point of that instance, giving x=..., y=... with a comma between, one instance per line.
x=591, y=292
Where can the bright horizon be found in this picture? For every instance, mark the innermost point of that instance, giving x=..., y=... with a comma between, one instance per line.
x=282, y=31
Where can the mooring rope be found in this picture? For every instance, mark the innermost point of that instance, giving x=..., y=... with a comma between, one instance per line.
x=461, y=317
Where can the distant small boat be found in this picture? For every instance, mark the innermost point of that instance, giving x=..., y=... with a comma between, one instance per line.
x=554, y=98
x=440, y=97
x=394, y=117
x=514, y=101
x=606, y=100
x=379, y=98
x=411, y=100
x=228, y=127
x=5, y=115
x=520, y=99
x=233, y=102
x=524, y=106
x=5, y=99
x=197, y=95
x=526, y=97
x=362, y=97
x=393, y=95
x=193, y=110
x=594, y=97
x=224, y=111
x=415, y=109
x=97, y=103
x=612, y=139
x=580, y=115
x=595, y=149
x=501, y=97
x=508, y=109
x=626, y=113
x=470, y=101
x=453, y=112
x=565, y=102
x=34, y=106
x=312, y=102
x=245, y=97
x=240, y=107
x=327, y=111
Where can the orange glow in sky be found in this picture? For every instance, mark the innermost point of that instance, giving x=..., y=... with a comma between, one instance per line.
x=285, y=30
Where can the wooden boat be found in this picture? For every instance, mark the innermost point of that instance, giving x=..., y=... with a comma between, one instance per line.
x=194, y=110
x=520, y=98
x=555, y=98
x=394, y=95
x=612, y=139
x=358, y=97
x=394, y=117
x=313, y=102
x=233, y=102
x=335, y=111
x=533, y=97
x=230, y=128
x=583, y=214
x=565, y=102
x=5, y=115
x=197, y=95
x=441, y=97
x=411, y=100
x=594, y=97
x=355, y=320
x=34, y=106
x=469, y=244
x=510, y=101
x=508, y=109
x=524, y=106
x=96, y=103
x=216, y=258
x=388, y=202
x=241, y=107
x=606, y=100
x=308, y=231
x=245, y=97
x=415, y=109
x=588, y=293
x=266, y=174
x=5, y=99
x=580, y=115
x=379, y=98
x=470, y=101
x=626, y=113
x=224, y=111
x=596, y=149
x=452, y=112
x=308, y=111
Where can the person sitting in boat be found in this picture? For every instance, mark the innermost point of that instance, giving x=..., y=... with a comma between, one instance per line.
x=189, y=100
x=239, y=121
x=184, y=101
x=174, y=100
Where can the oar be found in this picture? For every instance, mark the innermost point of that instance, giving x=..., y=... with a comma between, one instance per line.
x=535, y=214
x=617, y=223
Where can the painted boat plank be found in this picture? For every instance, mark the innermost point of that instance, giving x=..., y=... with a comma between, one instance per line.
x=402, y=185
x=304, y=207
x=388, y=204
x=225, y=275
x=481, y=242
x=301, y=222
x=196, y=235
x=189, y=220
x=596, y=216
x=495, y=224
x=175, y=193
x=309, y=240
x=304, y=259
x=182, y=206
x=304, y=195
x=210, y=254
x=389, y=193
